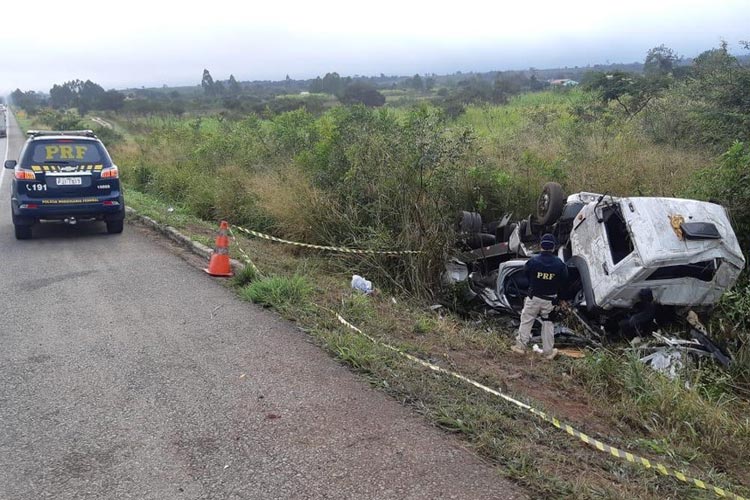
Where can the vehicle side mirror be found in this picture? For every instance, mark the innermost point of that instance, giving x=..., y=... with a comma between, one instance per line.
x=10, y=163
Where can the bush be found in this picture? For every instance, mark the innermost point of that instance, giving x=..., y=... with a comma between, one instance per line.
x=728, y=182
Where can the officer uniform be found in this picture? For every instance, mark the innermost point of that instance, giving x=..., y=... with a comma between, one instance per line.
x=546, y=274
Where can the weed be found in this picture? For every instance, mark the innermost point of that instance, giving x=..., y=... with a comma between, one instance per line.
x=279, y=292
x=424, y=325
x=245, y=276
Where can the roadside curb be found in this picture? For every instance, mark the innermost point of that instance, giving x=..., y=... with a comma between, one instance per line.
x=177, y=237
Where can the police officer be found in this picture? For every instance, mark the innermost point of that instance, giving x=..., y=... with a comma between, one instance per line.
x=547, y=275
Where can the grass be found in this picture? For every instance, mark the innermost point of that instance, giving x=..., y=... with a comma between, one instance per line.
x=279, y=292
x=603, y=395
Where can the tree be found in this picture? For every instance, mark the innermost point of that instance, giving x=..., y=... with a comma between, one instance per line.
x=631, y=92
x=90, y=96
x=332, y=83
x=722, y=85
x=111, y=100
x=417, y=83
x=316, y=86
x=62, y=97
x=234, y=87
x=362, y=93
x=660, y=61
x=208, y=83
x=29, y=101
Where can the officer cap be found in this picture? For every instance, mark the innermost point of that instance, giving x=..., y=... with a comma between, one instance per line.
x=548, y=242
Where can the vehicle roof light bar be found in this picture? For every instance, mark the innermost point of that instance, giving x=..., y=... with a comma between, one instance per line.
x=41, y=133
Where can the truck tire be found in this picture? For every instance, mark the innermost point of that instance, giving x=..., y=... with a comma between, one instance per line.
x=550, y=205
x=469, y=222
x=479, y=240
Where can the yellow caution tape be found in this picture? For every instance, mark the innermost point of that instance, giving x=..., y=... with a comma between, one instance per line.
x=245, y=256
x=327, y=248
x=599, y=445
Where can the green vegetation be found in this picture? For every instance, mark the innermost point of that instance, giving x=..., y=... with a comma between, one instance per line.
x=307, y=168
x=279, y=292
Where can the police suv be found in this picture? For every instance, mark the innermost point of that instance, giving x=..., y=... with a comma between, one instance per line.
x=64, y=176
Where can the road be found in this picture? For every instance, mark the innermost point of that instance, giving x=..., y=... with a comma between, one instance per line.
x=126, y=372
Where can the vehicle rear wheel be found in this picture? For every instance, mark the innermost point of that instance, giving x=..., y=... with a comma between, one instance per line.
x=550, y=205
x=479, y=240
x=23, y=232
x=115, y=226
x=469, y=222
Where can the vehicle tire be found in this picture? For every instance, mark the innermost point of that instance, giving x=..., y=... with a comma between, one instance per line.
x=469, y=222
x=479, y=240
x=23, y=232
x=550, y=205
x=115, y=226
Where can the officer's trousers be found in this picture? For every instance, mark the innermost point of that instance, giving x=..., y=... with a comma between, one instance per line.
x=537, y=308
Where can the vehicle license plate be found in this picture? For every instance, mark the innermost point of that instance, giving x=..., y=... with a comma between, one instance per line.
x=68, y=181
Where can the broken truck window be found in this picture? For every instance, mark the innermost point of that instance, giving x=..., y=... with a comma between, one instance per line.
x=617, y=233
x=704, y=271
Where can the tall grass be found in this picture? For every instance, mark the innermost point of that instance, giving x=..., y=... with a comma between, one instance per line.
x=690, y=411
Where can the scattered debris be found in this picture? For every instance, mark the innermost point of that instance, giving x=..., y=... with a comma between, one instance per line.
x=666, y=360
x=572, y=353
x=361, y=284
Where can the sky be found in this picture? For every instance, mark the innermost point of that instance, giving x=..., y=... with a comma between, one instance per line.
x=153, y=43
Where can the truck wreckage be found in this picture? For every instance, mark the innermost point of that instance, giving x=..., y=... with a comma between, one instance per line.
x=684, y=251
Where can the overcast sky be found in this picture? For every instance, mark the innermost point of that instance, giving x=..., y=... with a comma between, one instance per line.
x=150, y=43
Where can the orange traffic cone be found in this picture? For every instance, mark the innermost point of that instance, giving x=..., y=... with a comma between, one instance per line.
x=218, y=265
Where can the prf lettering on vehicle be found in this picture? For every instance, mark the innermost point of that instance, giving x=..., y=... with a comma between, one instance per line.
x=67, y=168
x=65, y=152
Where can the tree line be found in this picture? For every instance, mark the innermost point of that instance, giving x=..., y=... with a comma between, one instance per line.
x=81, y=95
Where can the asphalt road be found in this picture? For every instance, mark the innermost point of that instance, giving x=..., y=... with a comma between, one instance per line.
x=125, y=372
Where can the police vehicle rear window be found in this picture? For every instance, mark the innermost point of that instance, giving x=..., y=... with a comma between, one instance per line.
x=65, y=151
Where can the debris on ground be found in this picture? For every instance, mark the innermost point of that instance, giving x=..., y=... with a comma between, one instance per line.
x=667, y=361
x=362, y=285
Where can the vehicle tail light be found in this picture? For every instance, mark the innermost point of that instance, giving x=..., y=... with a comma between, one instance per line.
x=24, y=174
x=110, y=173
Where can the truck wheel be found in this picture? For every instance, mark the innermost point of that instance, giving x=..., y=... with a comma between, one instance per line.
x=469, y=222
x=479, y=240
x=22, y=232
x=115, y=226
x=550, y=205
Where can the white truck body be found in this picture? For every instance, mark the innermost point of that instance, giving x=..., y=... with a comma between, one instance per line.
x=679, y=269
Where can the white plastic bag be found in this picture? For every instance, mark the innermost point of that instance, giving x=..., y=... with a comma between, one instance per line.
x=361, y=284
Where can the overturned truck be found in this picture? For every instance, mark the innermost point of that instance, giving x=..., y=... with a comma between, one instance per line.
x=684, y=251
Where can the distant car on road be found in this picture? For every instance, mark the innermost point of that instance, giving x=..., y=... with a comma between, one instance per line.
x=64, y=176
